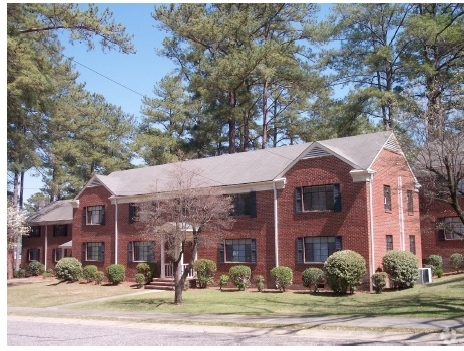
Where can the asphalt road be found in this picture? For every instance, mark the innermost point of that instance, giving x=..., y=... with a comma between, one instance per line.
x=29, y=331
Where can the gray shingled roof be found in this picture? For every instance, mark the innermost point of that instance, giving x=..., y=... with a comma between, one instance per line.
x=361, y=150
x=54, y=213
x=243, y=168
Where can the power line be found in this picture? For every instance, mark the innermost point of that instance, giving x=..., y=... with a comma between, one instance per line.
x=112, y=80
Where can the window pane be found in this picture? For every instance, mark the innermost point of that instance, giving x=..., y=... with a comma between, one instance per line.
x=238, y=250
x=454, y=229
x=93, y=250
x=94, y=214
x=141, y=250
x=318, y=198
x=318, y=249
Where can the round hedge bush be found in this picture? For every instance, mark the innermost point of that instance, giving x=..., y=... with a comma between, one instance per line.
x=457, y=261
x=116, y=273
x=88, y=272
x=144, y=268
x=205, y=271
x=68, y=269
x=312, y=277
x=344, y=271
x=379, y=281
x=402, y=268
x=283, y=277
x=140, y=280
x=435, y=262
x=35, y=268
x=240, y=276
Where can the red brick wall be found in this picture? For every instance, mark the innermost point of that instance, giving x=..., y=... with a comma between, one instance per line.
x=431, y=245
x=389, y=166
x=94, y=196
x=352, y=223
x=39, y=243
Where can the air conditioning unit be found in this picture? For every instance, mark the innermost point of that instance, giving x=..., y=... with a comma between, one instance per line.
x=425, y=276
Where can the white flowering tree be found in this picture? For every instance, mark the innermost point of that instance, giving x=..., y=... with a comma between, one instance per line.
x=16, y=228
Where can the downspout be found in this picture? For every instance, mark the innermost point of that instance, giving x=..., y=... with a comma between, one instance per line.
x=115, y=231
x=46, y=245
x=401, y=214
x=276, y=226
x=371, y=215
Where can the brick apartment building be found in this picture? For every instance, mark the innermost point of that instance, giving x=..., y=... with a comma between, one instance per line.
x=298, y=204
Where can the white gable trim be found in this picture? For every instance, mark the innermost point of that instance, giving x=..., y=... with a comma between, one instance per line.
x=93, y=182
x=322, y=150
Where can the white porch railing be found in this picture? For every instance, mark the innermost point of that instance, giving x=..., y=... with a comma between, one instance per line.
x=169, y=271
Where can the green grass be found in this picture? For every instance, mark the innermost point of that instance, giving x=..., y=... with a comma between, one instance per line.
x=442, y=298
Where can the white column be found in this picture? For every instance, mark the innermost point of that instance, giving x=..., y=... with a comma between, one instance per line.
x=46, y=245
x=115, y=231
x=401, y=213
x=162, y=275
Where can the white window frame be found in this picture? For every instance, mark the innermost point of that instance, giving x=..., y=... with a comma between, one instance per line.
x=452, y=225
x=96, y=218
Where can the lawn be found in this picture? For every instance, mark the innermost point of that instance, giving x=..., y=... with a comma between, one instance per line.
x=442, y=298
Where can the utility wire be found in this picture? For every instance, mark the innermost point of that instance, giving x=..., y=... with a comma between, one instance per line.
x=90, y=69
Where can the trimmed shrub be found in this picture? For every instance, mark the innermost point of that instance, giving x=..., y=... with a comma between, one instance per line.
x=344, y=271
x=205, y=272
x=457, y=261
x=68, y=269
x=98, y=277
x=144, y=268
x=223, y=280
x=20, y=273
x=283, y=277
x=116, y=273
x=35, y=268
x=435, y=262
x=88, y=272
x=259, y=282
x=140, y=279
x=439, y=272
x=312, y=277
x=240, y=276
x=402, y=268
x=379, y=281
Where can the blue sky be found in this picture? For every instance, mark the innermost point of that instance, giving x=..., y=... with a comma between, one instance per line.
x=122, y=79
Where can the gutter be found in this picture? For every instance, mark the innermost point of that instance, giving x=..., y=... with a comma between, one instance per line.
x=116, y=231
x=276, y=218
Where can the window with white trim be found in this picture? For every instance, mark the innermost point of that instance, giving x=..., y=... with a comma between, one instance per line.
x=34, y=255
x=238, y=251
x=316, y=249
x=58, y=254
x=141, y=251
x=387, y=198
x=412, y=244
x=450, y=228
x=94, y=215
x=410, y=202
x=93, y=252
x=389, y=242
x=325, y=197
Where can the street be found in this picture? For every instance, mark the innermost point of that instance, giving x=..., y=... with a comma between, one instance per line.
x=44, y=331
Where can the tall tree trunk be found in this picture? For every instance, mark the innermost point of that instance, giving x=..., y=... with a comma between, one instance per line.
x=21, y=191
x=265, y=113
x=15, y=189
x=231, y=122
